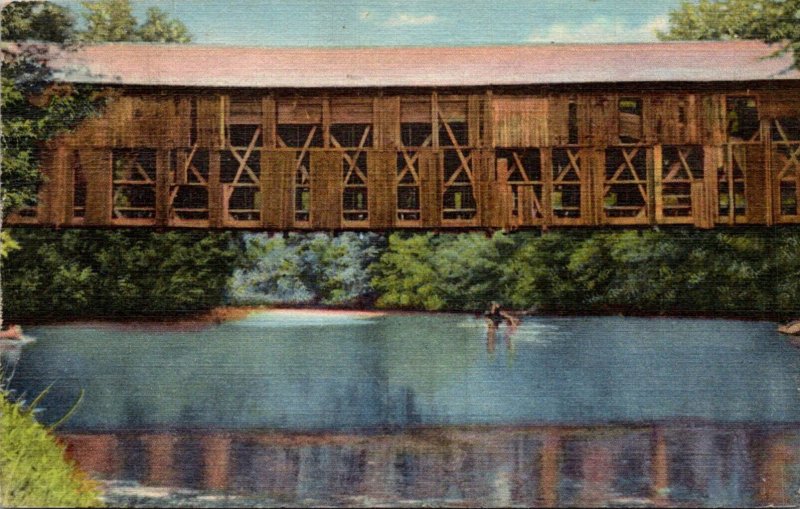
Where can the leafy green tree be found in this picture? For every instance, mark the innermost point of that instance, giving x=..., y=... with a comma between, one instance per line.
x=158, y=27
x=33, y=110
x=313, y=268
x=37, y=21
x=405, y=276
x=116, y=273
x=113, y=21
x=773, y=21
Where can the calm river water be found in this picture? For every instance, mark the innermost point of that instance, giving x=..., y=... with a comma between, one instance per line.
x=409, y=409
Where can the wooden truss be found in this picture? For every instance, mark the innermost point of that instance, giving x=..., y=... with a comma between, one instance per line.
x=568, y=177
x=682, y=168
x=188, y=194
x=731, y=189
x=625, y=187
x=302, y=176
x=134, y=184
x=786, y=163
x=458, y=191
x=527, y=188
x=242, y=195
x=407, y=182
x=354, y=181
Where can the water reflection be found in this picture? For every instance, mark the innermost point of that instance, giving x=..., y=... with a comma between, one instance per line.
x=662, y=465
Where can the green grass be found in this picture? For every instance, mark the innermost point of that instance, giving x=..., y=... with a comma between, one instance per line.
x=34, y=471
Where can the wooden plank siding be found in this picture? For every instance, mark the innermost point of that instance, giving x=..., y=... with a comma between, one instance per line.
x=689, y=169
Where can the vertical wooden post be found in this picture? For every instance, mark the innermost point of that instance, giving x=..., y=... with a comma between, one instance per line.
x=651, y=194
x=326, y=122
x=326, y=189
x=223, y=120
x=97, y=165
x=546, y=158
x=599, y=177
x=269, y=126
x=430, y=188
x=162, y=187
x=60, y=184
x=435, y=119
x=502, y=211
x=69, y=162
x=381, y=188
x=215, y=197
x=488, y=120
x=658, y=184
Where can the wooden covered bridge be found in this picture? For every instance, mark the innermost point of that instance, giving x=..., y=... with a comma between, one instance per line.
x=703, y=133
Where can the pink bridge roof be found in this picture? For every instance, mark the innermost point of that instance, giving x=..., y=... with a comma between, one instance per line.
x=230, y=66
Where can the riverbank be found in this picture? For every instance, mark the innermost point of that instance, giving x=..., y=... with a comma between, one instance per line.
x=222, y=314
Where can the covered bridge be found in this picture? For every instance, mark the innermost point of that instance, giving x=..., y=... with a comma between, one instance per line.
x=697, y=133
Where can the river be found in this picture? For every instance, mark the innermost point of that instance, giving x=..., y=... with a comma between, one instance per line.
x=298, y=408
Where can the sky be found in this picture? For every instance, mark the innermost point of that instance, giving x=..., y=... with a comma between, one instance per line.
x=413, y=22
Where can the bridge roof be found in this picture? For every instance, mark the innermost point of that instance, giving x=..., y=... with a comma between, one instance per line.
x=229, y=66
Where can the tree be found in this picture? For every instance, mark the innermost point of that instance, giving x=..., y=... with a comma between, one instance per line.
x=158, y=27
x=38, y=21
x=773, y=21
x=113, y=21
x=33, y=110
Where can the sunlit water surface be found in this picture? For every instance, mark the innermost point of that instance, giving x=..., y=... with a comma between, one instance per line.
x=303, y=409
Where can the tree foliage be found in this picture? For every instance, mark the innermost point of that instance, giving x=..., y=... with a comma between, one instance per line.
x=113, y=21
x=76, y=273
x=34, y=109
x=315, y=268
x=773, y=21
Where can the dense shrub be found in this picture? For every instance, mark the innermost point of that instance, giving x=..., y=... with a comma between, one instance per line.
x=71, y=273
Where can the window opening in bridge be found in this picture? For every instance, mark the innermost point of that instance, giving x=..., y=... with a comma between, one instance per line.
x=413, y=135
x=408, y=207
x=78, y=186
x=567, y=173
x=304, y=137
x=188, y=194
x=681, y=166
x=625, y=187
x=302, y=187
x=572, y=123
x=416, y=134
x=354, y=195
x=458, y=200
x=732, y=198
x=353, y=140
x=786, y=163
x=742, y=119
x=239, y=174
x=524, y=175
x=453, y=134
x=134, y=184
x=630, y=119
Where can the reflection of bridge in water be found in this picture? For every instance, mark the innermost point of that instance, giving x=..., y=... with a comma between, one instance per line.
x=547, y=465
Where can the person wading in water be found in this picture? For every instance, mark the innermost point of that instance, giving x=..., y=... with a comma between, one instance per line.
x=495, y=316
